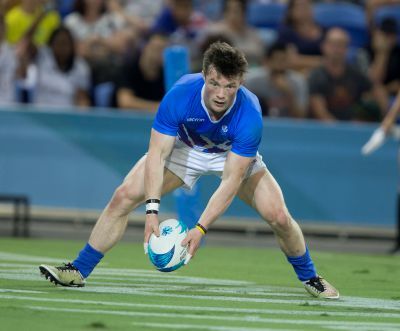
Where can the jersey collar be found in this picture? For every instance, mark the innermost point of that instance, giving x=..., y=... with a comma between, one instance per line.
x=206, y=110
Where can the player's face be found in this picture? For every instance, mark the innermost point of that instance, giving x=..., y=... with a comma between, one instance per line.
x=219, y=91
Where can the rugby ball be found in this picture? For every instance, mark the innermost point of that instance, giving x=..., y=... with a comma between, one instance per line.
x=165, y=251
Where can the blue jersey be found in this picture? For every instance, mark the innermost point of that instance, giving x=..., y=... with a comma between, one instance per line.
x=183, y=113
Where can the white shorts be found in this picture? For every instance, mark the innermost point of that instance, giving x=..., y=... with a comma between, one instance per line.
x=189, y=164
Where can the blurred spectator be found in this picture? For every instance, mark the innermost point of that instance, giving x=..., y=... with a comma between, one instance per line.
x=373, y=5
x=31, y=17
x=63, y=77
x=103, y=37
x=339, y=91
x=234, y=25
x=6, y=5
x=142, y=79
x=182, y=23
x=178, y=16
x=127, y=26
x=282, y=92
x=8, y=65
x=145, y=10
x=385, y=56
x=301, y=31
x=356, y=2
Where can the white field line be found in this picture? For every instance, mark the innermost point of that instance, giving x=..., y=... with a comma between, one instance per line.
x=205, y=308
x=7, y=290
x=246, y=318
x=172, y=288
x=31, y=274
x=142, y=284
x=140, y=290
x=120, y=272
x=344, y=302
x=206, y=327
x=19, y=270
x=347, y=301
x=362, y=328
x=232, y=328
x=4, y=256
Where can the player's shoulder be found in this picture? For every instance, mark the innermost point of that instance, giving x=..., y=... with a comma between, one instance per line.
x=249, y=101
x=186, y=87
x=190, y=81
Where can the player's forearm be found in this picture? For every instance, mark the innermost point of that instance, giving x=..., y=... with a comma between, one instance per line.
x=154, y=175
x=219, y=202
x=391, y=116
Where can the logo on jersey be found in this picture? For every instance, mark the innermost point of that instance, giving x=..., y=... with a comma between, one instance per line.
x=224, y=129
x=202, y=142
x=193, y=119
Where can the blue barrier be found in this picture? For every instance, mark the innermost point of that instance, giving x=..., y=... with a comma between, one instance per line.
x=76, y=160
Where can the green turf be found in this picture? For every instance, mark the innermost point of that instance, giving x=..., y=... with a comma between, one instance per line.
x=221, y=289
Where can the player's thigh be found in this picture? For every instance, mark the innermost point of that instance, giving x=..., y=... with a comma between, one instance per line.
x=262, y=192
x=133, y=184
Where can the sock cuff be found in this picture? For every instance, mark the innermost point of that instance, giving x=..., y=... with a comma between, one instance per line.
x=88, y=248
x=300, y=260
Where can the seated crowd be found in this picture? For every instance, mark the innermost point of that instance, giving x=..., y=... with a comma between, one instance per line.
x=109, y=53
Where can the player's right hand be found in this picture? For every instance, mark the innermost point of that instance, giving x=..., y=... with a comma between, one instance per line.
x=377, y=139
x=151, y=226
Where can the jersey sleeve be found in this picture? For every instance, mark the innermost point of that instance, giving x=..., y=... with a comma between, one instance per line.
x=248, y=135
x=167, y=118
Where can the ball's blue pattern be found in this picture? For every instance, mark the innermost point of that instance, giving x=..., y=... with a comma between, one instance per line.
x=161, y=260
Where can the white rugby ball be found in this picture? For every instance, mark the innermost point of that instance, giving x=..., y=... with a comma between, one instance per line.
x=165, y=251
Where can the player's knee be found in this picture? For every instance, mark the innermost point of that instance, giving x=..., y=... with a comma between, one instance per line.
x=280, y=220
x=125, y=196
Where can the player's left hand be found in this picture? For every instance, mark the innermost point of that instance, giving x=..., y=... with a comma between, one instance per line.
x=192, y=240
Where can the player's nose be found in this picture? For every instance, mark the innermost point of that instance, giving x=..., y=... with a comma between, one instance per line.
x=220, y=93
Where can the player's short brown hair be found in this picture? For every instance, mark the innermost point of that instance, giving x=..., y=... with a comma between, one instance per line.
x=225, y=59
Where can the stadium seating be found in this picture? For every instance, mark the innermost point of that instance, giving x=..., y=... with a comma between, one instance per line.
x=386, y=12
x=65, y=7
x=265, y=15
x=345, y=15
x=211, y=9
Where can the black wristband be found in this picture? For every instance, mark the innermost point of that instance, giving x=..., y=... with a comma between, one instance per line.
x=153, y=201
x=151, y=211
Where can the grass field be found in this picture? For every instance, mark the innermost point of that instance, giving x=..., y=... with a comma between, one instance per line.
x=221, y=289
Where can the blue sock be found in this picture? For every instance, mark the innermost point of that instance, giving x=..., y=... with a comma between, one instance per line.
x=87, y=260
x=303, y=266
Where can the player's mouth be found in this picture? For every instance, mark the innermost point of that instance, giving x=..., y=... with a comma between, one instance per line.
x=219, y=104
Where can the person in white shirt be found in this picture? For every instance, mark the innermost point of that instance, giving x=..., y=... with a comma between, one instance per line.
x=63, y=78
x=8, y=64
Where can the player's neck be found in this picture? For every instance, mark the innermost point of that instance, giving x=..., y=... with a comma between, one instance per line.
x=216, y=116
